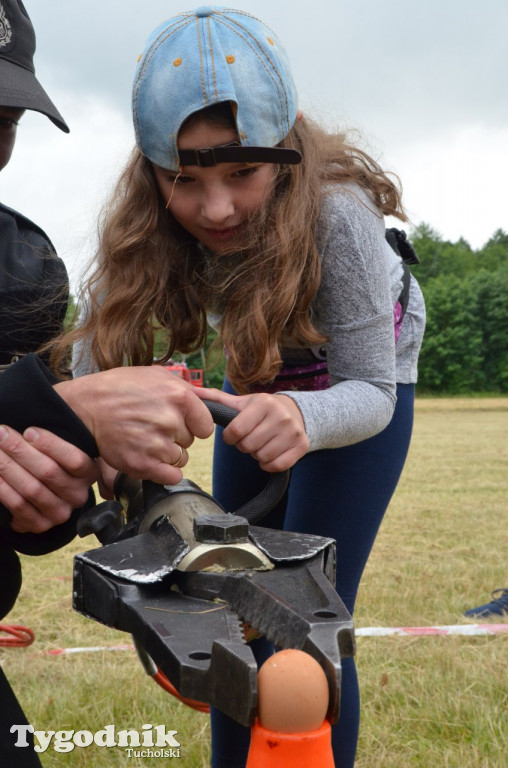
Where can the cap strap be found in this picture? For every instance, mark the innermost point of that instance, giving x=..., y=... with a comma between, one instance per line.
x=210, y=156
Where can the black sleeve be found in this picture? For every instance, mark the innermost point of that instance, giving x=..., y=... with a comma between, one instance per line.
x=30, y=544
x=42, y=543
x=12, y=714
x=10, y=576
x=27, y=399
x=34, y=286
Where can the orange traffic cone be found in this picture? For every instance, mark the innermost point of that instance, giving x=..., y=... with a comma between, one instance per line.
x=311, y=749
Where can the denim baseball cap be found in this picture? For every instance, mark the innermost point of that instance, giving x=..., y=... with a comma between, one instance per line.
x=204, y=57
x=19, y=88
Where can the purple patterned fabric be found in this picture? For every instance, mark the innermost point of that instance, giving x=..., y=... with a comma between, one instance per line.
x=299, y=378
x=397, y=319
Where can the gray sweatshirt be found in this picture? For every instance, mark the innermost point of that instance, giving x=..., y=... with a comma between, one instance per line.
x=361, y=281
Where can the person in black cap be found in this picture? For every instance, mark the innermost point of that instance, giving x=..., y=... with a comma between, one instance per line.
x=33, y=291
x=33, y=301
x=34, y=285
x=19, y=88
x=33, y=280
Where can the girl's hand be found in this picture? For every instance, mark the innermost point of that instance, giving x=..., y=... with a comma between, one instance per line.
x=42, y=478
x=269, y=427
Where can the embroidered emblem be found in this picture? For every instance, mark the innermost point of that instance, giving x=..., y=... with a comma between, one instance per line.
x=5, y=28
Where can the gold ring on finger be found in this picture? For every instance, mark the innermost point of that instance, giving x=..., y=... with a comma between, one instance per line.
x=178, y=462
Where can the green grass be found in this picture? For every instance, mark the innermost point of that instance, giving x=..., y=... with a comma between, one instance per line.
x=426, y=701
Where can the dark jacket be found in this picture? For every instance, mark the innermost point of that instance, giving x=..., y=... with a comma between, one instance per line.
x=33, y=301
x=34, y=286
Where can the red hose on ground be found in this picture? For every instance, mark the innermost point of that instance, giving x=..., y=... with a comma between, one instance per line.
x=18, y=636
x=21, y=637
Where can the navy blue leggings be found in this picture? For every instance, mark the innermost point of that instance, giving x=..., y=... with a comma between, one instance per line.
x=342, y=493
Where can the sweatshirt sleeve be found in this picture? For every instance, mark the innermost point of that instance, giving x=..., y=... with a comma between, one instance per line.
x=354, y=308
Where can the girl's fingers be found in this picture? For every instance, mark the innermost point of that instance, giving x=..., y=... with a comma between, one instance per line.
x=237, y=402
x=253, y=411
x=268, y=427
x=282, y=461
x=271, y=429
x=274, y=453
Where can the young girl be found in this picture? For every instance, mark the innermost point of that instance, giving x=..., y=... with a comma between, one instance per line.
x=236, y=208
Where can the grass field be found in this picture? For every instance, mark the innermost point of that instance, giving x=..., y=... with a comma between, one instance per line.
x=427, y=701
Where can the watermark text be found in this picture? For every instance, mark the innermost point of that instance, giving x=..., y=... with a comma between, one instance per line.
x=65, y=741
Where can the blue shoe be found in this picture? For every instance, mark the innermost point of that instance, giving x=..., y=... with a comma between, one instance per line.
x=497, y=607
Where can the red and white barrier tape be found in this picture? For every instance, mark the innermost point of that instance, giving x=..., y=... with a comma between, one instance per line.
x=88, y=649
x=452, y=629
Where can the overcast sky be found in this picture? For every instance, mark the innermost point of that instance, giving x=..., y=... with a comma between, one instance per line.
x=424, y=82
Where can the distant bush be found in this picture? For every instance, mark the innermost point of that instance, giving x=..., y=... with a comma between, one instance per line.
x=465, y=349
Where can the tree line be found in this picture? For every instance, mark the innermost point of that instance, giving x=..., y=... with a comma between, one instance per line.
x=465, y=348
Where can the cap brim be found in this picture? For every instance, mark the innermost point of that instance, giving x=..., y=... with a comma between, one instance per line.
x=235, y=153
x=20, y=88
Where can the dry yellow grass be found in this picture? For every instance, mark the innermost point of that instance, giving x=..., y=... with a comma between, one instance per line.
x=427, y=701
x=442, y=548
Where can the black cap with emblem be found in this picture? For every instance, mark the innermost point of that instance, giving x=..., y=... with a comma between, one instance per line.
x=19, y=87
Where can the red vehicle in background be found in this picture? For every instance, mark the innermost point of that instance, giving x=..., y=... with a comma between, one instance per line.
x=193, y=375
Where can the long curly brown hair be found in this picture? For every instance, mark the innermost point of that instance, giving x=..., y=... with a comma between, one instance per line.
x=149, y=273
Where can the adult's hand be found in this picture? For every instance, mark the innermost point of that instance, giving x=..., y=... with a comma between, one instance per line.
x=106, y=480
x=143, y=419
x=269, y=427
x=42, y=478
